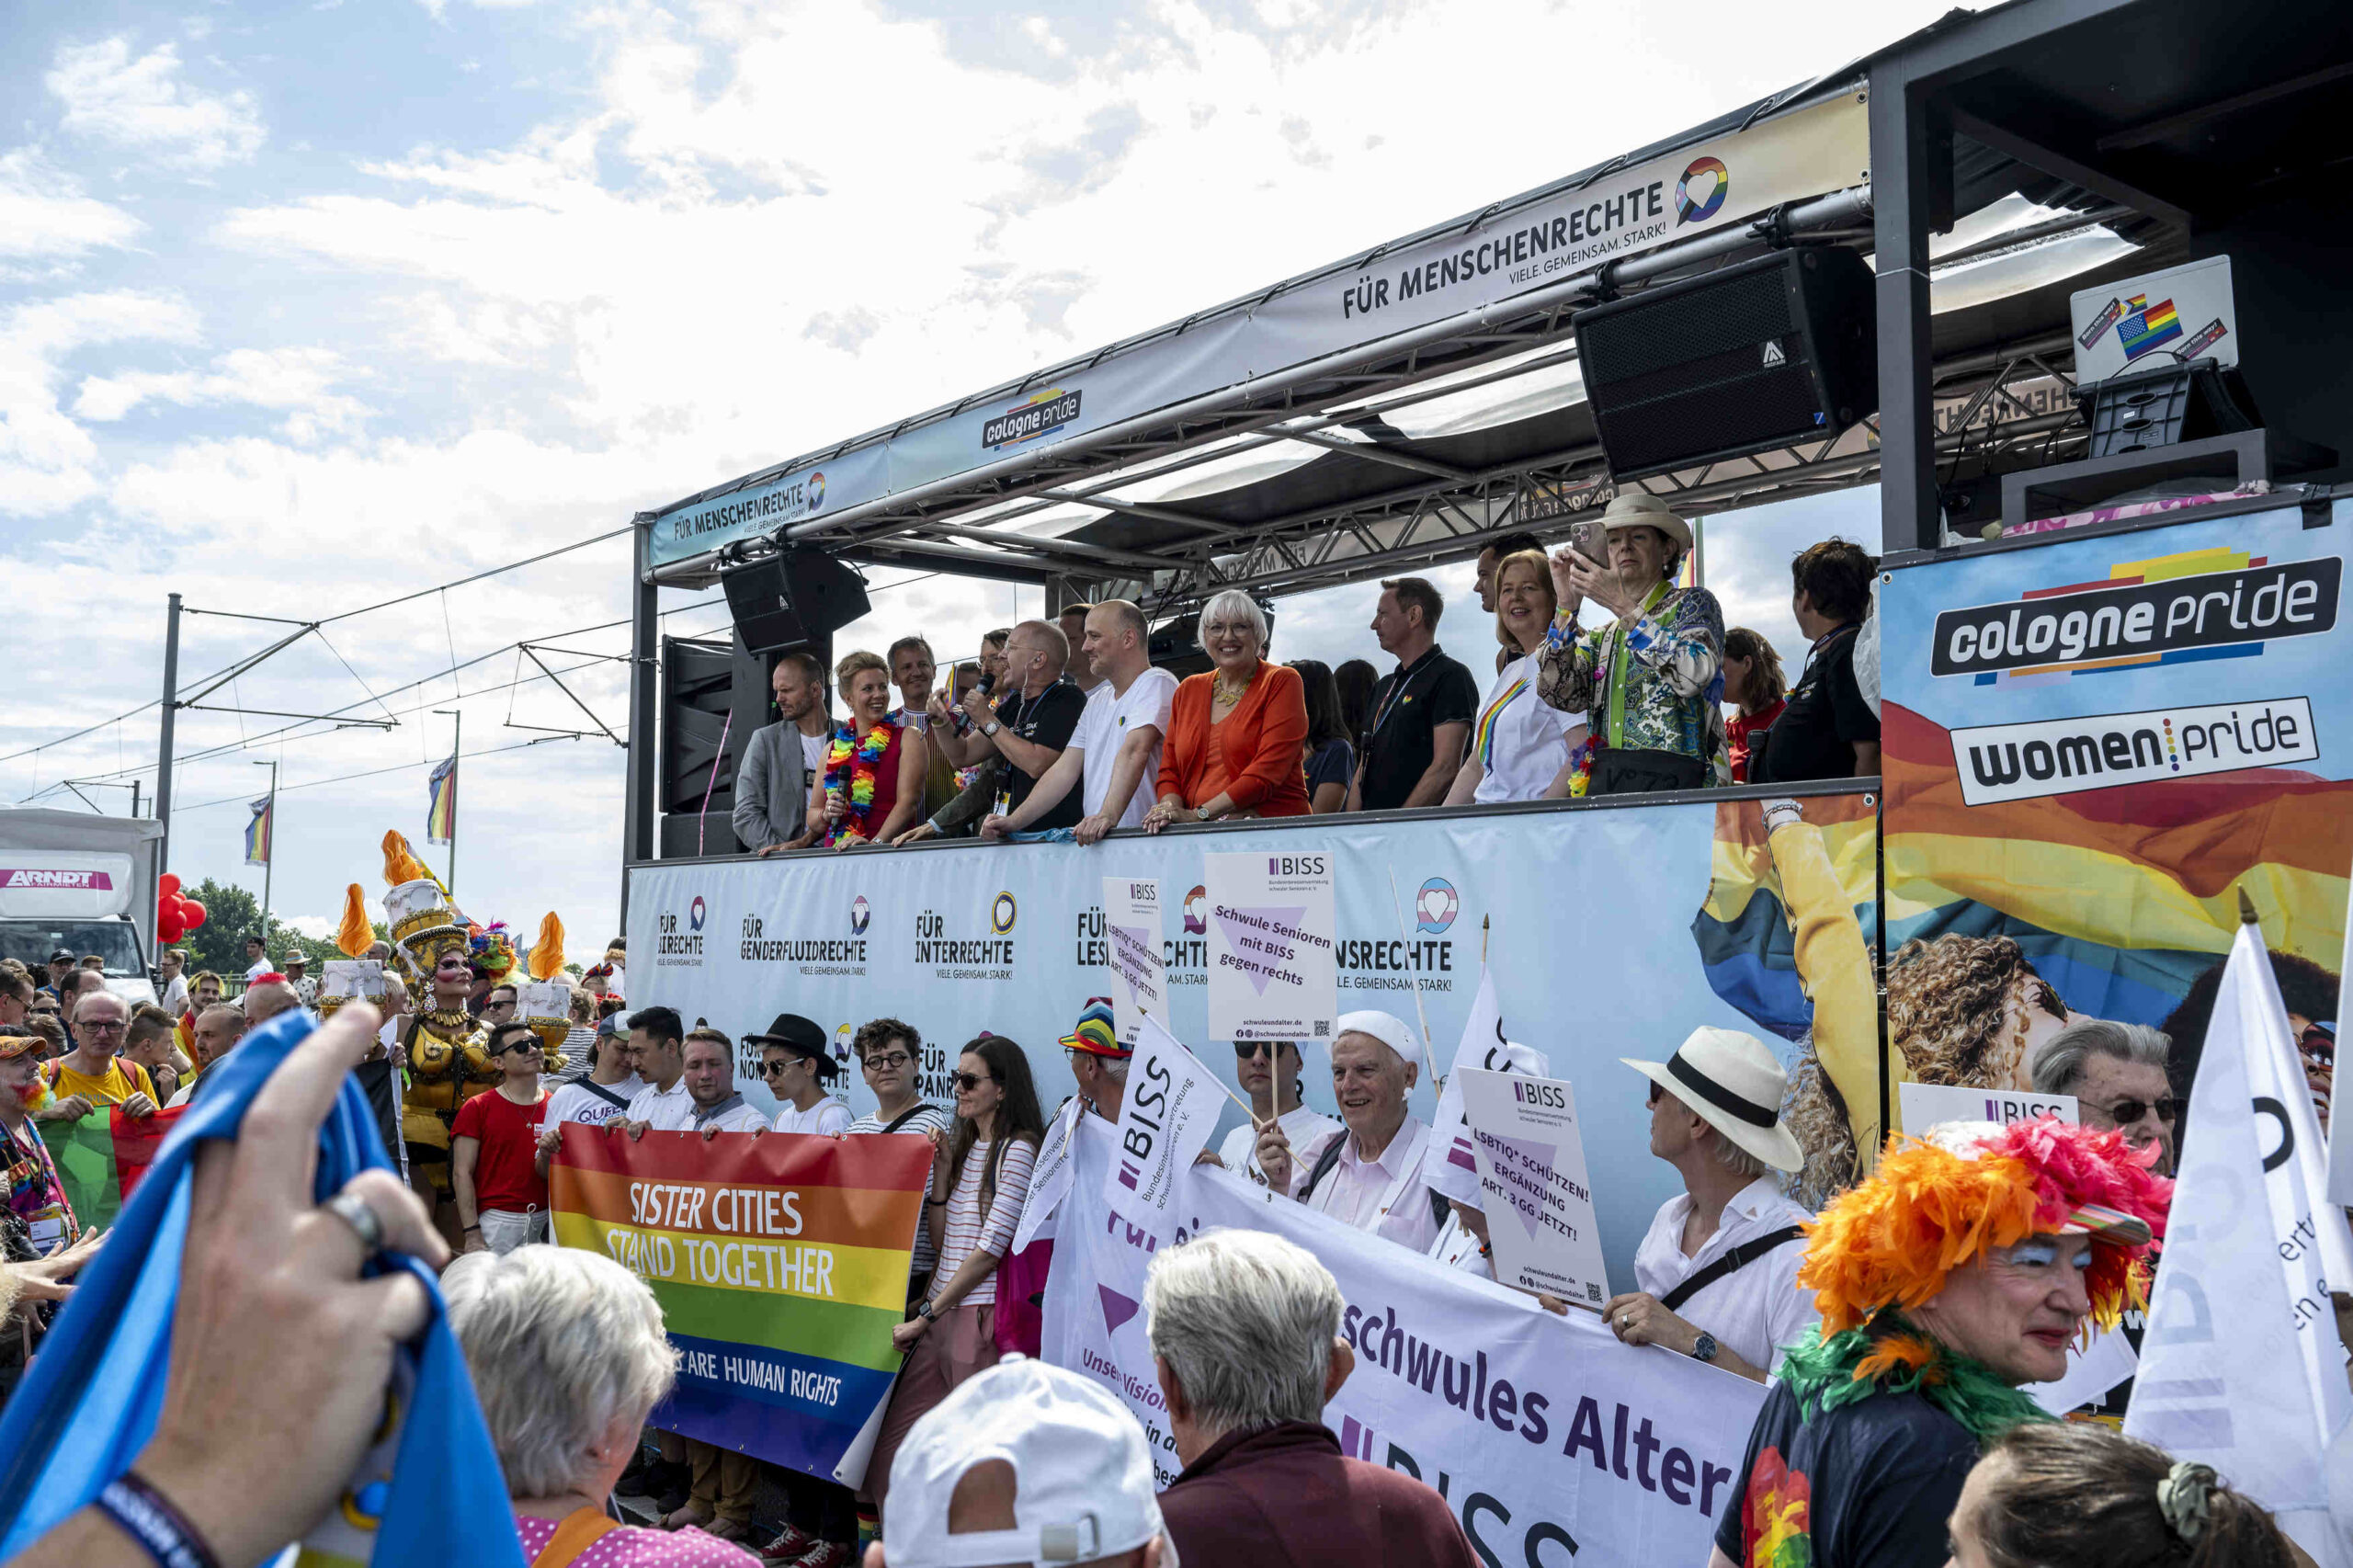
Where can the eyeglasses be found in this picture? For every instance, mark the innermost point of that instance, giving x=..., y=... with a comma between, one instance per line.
x=970, y=1081
x=102, y=1026
x=498, y=1006
x=1652, y=1098
x=2124, y=1111
x=891, y=1062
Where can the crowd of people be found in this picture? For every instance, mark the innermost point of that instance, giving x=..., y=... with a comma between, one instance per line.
x=1895, y=1330
x=1062, y=730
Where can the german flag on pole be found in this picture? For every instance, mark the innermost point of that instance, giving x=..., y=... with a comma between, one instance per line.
x=258, y=831
x=101, y=1158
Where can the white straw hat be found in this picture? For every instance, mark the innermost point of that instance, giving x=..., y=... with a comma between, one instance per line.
x=1641, y=509
x=1733, y=1083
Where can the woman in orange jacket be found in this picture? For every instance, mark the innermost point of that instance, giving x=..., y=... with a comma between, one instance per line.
x=1234, y=736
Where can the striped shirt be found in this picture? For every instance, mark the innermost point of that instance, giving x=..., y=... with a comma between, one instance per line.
x=925, y=1118
x=970, y=1231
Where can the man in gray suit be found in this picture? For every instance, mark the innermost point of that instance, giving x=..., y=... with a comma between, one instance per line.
x=782, y=764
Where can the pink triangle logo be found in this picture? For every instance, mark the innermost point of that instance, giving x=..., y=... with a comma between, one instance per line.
x=1117, y=1309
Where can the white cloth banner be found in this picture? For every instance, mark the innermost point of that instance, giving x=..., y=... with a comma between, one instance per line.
x=1166, y=1118
x=2241, y=1367
x=1552, y=1441
x=1050, y=1174
x=1139, y=963
x=1271, y=930
x=1533, y=1183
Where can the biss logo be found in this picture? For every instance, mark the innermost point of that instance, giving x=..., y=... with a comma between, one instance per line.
x=1527, y=1091
x=1296, y=865
x=1149, y=1098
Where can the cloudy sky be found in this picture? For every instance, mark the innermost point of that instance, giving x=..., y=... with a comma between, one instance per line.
x=308, y=306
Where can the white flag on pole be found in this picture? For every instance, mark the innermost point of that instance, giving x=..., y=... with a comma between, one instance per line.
x=1167, y=1116
x=1453, y=1171
x=2241, y=1367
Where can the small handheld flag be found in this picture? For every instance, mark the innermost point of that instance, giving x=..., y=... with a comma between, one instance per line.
x=258, y=831
x=441, y=807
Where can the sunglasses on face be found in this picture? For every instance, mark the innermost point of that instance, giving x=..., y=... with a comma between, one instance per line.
x=774, y=1068
x=2124, y=1112
x=1652, y=1098
x=970, y=1081
x=1250, y=1050
x=498, y=1006
x=891, y=1062
x=2317, y=1045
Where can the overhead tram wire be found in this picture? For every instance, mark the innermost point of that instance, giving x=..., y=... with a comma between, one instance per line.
x=374, y=772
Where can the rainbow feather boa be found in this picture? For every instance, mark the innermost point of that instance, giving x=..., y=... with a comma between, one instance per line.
x=851, y=768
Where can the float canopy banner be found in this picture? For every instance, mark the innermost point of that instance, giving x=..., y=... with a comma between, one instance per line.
x=781, y=1262
x=1617, y=930
x=2091, y=742
x=1462, y=268
x=1549, y=1440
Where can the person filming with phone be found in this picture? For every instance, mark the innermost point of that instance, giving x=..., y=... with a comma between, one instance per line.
x=1651, y=675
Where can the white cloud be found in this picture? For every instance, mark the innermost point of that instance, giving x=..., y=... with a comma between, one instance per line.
x=144, y=105
x=47, y=218
x=47, y=461
x=298, y=380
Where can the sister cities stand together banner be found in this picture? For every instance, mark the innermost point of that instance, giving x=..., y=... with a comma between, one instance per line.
x=1552, y=1442
x=780, y=1262
x=2090, y=744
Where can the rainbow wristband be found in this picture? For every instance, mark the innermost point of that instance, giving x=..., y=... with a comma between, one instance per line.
x=147, y=1516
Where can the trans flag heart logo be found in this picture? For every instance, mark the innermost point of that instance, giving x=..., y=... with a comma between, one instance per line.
x=1436, y=907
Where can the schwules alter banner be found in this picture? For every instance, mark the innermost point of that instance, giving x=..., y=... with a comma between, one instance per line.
x=1533, y=1183
x=1270, y=955
x=1165, y=1117
x=780, y=1261
x=1552, y=1442
x=1138, y=963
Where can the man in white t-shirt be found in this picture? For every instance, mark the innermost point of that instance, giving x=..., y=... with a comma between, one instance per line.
x=1113, y=757
x=257, y=962
x=1269, y=1073
x=657, y=1055
x=602, y=1097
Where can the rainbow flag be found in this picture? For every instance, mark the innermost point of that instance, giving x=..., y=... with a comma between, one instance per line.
x=258, y=831
x=1746, y=946
x=101, y=1158
x=441, y=802
x=2121, y=897
x=2146, y=327
x=781, y=1262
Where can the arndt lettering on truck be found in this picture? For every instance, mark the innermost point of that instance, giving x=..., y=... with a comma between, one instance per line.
x=2140, y=622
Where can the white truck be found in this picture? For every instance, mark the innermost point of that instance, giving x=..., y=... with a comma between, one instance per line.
x=81, y=884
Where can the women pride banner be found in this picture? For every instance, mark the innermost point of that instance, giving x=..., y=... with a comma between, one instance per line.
x=780, y=1262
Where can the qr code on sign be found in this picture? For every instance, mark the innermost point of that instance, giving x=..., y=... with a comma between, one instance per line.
x=1592, y=1291
x=1323, y=1026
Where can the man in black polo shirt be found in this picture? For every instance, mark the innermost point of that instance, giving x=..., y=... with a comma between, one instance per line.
x=1029, y=727
x=1421, y=713
x=1827, y=731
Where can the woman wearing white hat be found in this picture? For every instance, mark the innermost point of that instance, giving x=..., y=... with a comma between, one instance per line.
x=1650, y=678
x=1718, y=1268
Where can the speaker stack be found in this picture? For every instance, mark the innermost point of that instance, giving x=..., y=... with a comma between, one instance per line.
x=1750, y=358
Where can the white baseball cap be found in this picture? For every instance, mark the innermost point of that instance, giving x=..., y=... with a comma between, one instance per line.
x=1083, y=1478
x=1387, y=1028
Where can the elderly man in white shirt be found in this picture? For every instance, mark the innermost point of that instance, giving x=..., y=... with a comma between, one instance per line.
x=1372, y=1173
x=1719, y=1265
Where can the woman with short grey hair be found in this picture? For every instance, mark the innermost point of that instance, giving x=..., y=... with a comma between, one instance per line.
x=1235, y=731
x=568, y=1355
x=2118, y=1074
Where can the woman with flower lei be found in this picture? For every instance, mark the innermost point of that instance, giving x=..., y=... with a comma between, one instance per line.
x=1958, y=1273
x=872, y=782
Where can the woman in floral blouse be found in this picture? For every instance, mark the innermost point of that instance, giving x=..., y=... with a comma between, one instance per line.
x=1651, y=678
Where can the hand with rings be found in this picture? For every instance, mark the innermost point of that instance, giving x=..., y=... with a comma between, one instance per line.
x=281, y=1350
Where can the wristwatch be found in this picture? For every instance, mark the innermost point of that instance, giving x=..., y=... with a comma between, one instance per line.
x=924, y=1311
x=991, y=728
x=1702, y=1349
x=1201, y=814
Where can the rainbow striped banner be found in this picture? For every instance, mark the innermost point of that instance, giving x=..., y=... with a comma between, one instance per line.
x=258, y=831
x=441, y=801
x=781, y=1262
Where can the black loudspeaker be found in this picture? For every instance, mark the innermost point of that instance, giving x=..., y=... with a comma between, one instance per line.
x=792, y=598
x=1753, y=358
x=697, y=692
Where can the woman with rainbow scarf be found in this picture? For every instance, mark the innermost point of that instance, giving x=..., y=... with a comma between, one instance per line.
x=1961, y=1270
x=1522, y=748
x=874, y=778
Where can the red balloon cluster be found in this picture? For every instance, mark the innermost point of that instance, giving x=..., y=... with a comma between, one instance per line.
x=174, y=916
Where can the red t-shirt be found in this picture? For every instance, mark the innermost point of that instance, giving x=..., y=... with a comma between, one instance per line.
x=1744, y=736
x=504, y=1177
